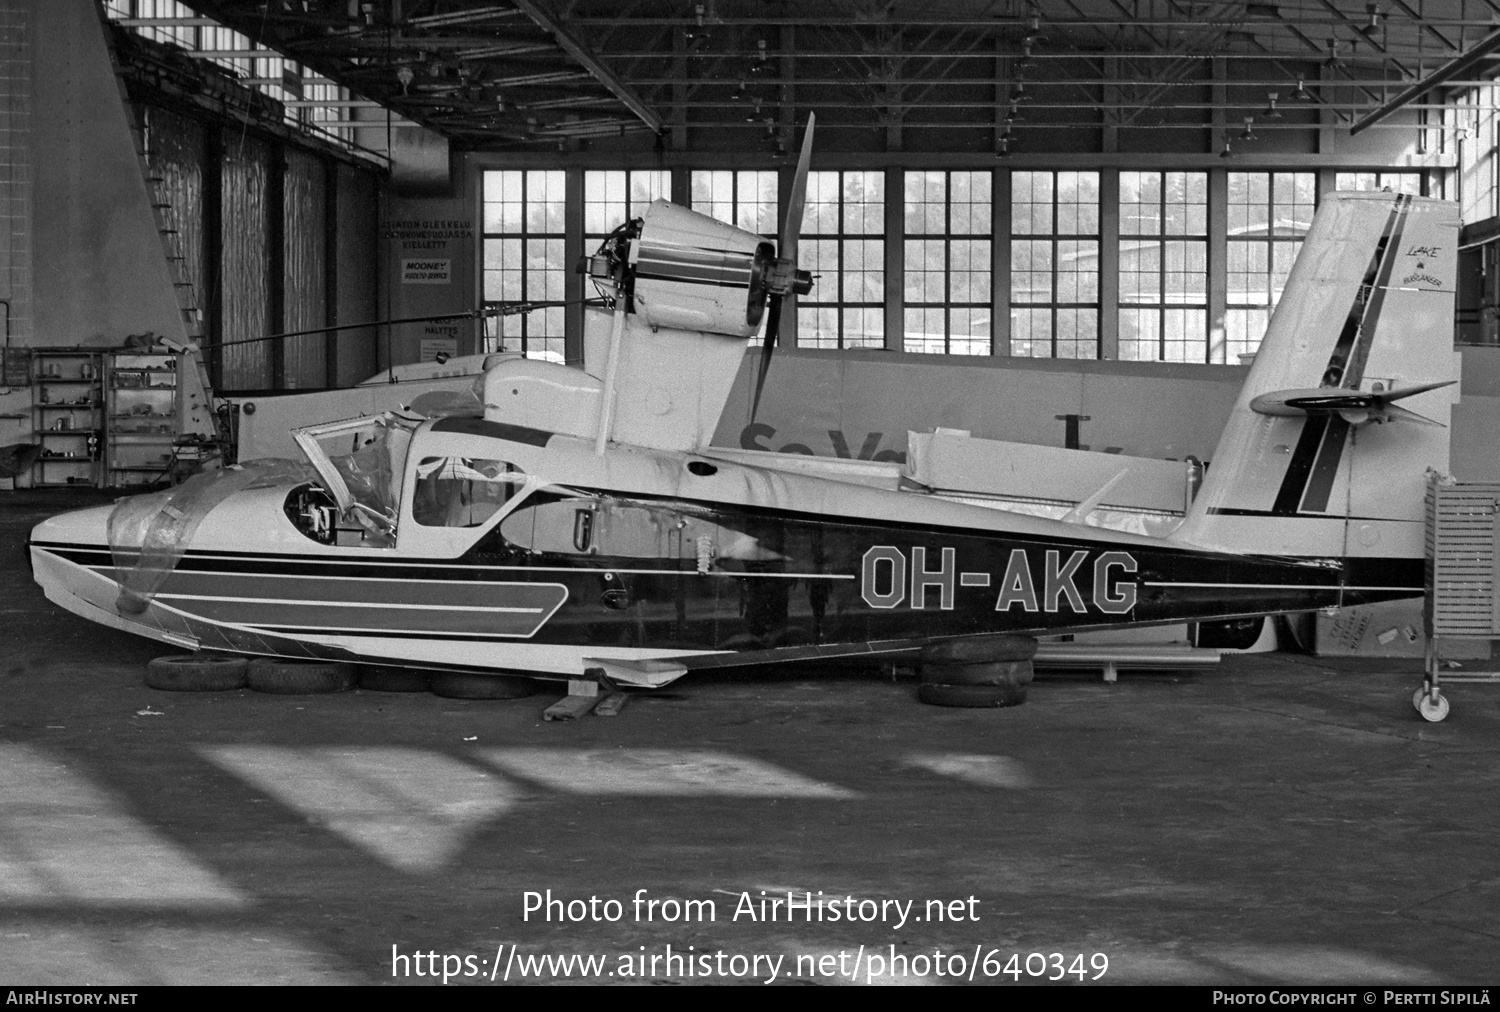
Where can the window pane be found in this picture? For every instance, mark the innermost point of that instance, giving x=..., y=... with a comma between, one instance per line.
x=1057, y=278
x=462, y=491
x=1031, y=333
x=849, y=283
x=712, y=193
x=1277, y=209
x=926, y=331
x=864, y=328
x=969, y=211
x=1164, y=263
x=821, y=212
x=755, y=196
x=926, y=203
x=523, y=253
x=613, y=196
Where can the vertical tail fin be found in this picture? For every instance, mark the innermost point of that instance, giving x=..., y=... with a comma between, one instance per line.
x=1317, y=458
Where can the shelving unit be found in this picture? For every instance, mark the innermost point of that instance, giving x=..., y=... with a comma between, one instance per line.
x=141, y=417
x=67, y=405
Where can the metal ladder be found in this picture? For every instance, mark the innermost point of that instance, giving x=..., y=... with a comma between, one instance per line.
x=162, y=210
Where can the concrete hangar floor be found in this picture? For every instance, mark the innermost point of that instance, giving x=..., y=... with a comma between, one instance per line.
x=1282, y=820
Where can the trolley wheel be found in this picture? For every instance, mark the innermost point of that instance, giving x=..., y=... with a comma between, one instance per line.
x=1417, y=697
x=1433, y=709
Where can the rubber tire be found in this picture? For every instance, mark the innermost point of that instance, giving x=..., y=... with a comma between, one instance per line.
x=980, y=650
x=378, y=679
x=196, y=673
x=468, y=685
x=971, y=695
x=297, y=678
x=1434, y=711
x=1012, y=673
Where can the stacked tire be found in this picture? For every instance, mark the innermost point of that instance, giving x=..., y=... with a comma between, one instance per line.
x=196, y=673
x=392, y=679
x=471, y=685
x=298, y=678
x=978, y=671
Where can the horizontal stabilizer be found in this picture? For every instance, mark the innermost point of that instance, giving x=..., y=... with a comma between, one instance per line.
x=1393, y=411
x=1354, y=406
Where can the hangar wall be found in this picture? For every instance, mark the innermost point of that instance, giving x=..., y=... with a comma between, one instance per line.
x=425, y=256
x=159, y=183
x=429, y=251
x=81, y=218
x=860, y=404
x=101, y=271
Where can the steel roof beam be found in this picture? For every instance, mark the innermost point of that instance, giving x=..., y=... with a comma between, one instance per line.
x=1425, y=24
x=600, y=72
x=1447, y=72
x=1368, y=36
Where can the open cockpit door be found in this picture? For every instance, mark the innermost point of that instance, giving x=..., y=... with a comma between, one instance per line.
x=362, y=463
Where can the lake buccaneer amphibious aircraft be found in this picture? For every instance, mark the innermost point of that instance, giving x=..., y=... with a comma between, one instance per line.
x=572, y=519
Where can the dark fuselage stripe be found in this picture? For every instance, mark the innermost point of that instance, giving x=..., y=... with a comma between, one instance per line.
x=1230, y=511
x=495, y=430
x=1390, y=573
x=1386, y=251
x=1299, y=468
x=1326, y=468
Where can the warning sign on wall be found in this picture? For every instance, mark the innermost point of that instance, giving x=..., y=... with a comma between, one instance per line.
x=426, y=272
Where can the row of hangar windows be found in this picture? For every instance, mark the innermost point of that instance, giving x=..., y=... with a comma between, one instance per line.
x=952, y=268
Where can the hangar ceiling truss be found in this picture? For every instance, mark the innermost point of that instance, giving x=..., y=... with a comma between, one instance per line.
x=517, y=74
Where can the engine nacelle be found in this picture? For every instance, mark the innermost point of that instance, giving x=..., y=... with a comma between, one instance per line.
x=692, y=272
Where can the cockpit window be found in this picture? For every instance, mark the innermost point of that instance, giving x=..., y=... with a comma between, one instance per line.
x=463, y=491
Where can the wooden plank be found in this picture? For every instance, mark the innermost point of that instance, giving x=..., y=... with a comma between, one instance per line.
x=570, y=708
x=1125, y=655
x=611, y=705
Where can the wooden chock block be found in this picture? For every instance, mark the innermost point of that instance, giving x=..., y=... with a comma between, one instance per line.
x=583, y=687
x=611, y=705
x=583, y=695
x=570, y=707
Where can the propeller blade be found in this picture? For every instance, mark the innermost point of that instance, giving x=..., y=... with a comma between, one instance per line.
x=773, y=322
x=786, y=256
x=791, y=228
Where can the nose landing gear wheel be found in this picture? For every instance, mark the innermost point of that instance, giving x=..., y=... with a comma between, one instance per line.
x=1432, y=708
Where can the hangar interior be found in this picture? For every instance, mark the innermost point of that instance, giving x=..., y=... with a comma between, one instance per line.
x=1106, y=182
x=1054, y=222
x=1040, y=215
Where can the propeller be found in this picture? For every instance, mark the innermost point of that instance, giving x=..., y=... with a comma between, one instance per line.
x=781, y=278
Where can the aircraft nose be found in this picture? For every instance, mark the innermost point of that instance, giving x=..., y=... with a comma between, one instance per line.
x=80, y=527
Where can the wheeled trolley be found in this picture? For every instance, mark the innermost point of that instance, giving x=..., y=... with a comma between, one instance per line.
x=1461, y=579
